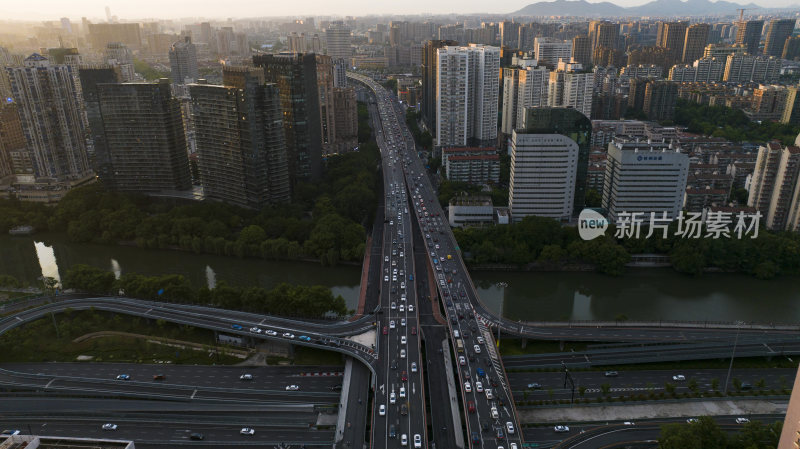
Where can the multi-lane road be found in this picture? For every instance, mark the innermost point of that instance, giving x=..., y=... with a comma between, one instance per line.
x=489, y=416
x=399, y=416
x=159, y=424
x=533, y=386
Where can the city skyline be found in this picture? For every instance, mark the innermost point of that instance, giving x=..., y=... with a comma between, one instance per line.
x=95, y=9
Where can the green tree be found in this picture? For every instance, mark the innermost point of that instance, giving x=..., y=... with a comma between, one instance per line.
x=89, y=279
x=669, y=388
x=605, y=389
x=692, y=385
x=593, y=199
x=252, y=235
x=704, y=434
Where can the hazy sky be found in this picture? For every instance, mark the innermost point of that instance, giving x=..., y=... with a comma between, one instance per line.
x=138, y=9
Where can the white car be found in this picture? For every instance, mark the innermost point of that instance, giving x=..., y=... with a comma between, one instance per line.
x=402, y=353
x=403, y=340
x=109, y=426
x=386, y=258
x=510, y=427
x=386, y=279
x=417, y=441
x=477, y=349
x=247, y=431
x=271, y=333
x=392, y=398
x=479, y=387
x=288, y=335
x=414, y=367
x=394, y=305
x=679, y=377
x=403, y=322
x=246, y=377
x=402, y=308
x=391, y=324
x=480, y=340
x=467, y=387
x=489, y=395
x=461, y=360
x=561, y=429
x=411, y=307
x=255, y=330
x=382, y=410
x=402, y=392
x=292, y=388
x=742, y=420
x=404, y=440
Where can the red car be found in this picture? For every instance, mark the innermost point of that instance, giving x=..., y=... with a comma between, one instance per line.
x=385, y=330
x=413, y=331
x=404, y=376
x=471, y=406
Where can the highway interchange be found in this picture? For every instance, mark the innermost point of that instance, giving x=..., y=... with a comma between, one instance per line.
x=415, y=264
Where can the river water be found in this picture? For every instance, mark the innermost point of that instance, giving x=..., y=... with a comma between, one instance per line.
x=642, y=294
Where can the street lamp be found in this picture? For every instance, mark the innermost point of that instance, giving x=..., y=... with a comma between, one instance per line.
x=733, y=354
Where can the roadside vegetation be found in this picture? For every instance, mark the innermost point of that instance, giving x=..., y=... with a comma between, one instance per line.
x=706, y=433
x=543, y=242
x=52, y=339
x=284, y=300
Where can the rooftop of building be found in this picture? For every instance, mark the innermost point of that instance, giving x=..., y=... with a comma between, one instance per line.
x=466, y=200
x=469, y=149
x=690, y=191
x=474, y=157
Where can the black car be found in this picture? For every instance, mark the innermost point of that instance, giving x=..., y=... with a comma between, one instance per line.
x=336, y=388
x=475, y=438
x=392, y=432
x=500, y=434
x=484, y=425
x=394, y=364
x=196, y=436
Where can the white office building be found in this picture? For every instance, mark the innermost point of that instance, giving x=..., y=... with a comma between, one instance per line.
x=570, y=87
x=543, y=175
x=522, y=88
x=644, y=177
x=467, y=89
x=552, y=50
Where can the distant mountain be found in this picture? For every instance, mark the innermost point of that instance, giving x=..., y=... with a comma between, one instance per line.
x=571, y=8
x=657, y=8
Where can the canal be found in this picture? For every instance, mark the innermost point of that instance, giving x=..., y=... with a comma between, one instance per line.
x=641, y=294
